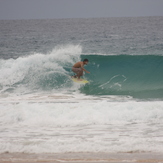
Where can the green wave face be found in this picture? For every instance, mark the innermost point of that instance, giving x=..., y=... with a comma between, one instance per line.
x=139, y=76
x=136, y=76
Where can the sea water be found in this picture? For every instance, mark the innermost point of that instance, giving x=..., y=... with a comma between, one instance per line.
x=120, y=110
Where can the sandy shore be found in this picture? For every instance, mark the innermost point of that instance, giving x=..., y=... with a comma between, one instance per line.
x=82, y=157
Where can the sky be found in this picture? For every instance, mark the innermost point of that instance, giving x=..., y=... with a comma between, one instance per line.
x=51, y=9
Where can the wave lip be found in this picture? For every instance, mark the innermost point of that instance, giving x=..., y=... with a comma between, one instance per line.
x=117, y=54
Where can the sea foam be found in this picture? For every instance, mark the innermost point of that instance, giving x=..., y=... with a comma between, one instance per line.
x=39, y=71
x=81, y=126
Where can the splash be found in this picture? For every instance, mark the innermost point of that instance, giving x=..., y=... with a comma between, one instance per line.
x=39, y=71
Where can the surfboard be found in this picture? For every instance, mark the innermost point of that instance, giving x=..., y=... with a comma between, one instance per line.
x=83, y=81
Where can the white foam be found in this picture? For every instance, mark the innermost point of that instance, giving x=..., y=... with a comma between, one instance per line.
x=26, y=72
x=81, y=125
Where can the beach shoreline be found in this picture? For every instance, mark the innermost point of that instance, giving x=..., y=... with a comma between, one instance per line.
x=82, y=157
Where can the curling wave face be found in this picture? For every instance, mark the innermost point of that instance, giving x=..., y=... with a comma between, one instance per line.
x=137, y=76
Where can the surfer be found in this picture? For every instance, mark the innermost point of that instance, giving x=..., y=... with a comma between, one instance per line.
x=78, y=68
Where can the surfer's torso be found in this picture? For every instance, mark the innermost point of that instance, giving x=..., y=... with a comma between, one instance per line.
x=78, y=65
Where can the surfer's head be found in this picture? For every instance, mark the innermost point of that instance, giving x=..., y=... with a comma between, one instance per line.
x=85, y=61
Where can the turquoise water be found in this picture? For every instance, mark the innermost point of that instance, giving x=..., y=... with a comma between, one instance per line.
x=126, y=55
x=137, y=76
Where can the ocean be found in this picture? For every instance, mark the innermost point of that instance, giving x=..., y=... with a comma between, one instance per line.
x=119, y=110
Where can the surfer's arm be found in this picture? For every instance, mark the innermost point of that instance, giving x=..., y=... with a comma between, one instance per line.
x=85, y=70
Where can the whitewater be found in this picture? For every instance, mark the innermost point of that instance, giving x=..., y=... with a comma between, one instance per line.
x=120, y=110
